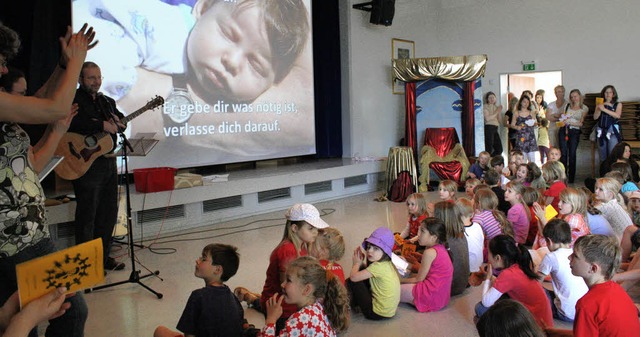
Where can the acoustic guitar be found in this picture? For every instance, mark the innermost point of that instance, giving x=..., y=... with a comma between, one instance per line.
x=80, y=151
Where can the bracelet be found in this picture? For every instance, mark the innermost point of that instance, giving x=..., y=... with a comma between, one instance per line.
x=62, y=65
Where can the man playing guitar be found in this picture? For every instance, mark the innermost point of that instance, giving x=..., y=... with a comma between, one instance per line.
x=97, y=190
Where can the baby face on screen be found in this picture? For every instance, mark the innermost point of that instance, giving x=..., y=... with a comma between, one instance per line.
x=229, y=51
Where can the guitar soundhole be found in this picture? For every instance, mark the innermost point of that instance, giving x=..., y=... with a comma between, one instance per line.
x=91, y=141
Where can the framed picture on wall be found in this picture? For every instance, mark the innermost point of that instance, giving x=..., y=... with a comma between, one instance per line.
x=401, y=49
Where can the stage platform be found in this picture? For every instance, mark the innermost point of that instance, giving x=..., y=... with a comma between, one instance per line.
x=269, y=186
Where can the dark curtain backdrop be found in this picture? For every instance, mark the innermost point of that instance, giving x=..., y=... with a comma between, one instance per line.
x=41, y=22
x=326, y=63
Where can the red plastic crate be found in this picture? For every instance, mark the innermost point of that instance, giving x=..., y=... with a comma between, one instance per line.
x=154, y=179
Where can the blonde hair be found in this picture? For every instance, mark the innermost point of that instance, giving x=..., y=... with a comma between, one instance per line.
x=519, y=188
x=553, y=171
x=530, y=195
x=326, y=286
x=331, y=239
x=610, y=185
x=576, y=199
x=473, y=182
x=449, y=185
x=290, y=235
x=421, y=201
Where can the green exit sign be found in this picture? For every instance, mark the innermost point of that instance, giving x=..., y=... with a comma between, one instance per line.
x=528, y=67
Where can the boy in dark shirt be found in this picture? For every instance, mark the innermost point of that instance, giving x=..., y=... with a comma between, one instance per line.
x=213, y=310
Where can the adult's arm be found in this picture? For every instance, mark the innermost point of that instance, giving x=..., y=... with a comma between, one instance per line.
x=43, y=151
x=55, y=102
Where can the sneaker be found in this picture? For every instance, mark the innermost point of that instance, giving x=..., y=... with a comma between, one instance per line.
x=112, y=264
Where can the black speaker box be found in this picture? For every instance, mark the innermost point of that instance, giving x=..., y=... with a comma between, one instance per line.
x=382, y=12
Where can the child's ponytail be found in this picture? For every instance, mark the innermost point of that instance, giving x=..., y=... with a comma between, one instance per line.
x=505, y=224
x=526, y=263
x=336, y=303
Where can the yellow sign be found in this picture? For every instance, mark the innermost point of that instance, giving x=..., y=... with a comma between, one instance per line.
x=77, y=268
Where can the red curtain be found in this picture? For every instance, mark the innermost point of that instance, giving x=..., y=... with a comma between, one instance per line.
x=467, y=119
x=410, y=128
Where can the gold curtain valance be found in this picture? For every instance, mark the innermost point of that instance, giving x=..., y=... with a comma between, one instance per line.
x=453, y=68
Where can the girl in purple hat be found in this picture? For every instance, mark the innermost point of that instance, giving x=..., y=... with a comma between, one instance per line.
x=374, y=283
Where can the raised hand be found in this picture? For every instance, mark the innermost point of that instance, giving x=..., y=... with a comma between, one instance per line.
x=76, y=45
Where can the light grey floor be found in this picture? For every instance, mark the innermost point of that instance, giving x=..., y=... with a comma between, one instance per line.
x=130, y=310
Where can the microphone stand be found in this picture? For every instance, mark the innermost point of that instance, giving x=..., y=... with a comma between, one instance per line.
x=134, y=277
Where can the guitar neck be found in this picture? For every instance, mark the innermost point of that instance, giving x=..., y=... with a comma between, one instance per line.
x=133, y=115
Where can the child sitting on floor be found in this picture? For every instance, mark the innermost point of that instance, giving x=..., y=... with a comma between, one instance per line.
x=329, y=248
x=212, y=310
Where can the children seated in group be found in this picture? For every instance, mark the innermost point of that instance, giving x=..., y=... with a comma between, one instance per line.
x=492, y=179
x=492, y=221
x=300, y=230
x=456, y=244
x=374, y=284
x=478, y=169
x=535, y=173
x=321, y=299
x=212, y=310
x=572, y=208
x=329, y=249
x=567, y=288
x=417, y=209
x=473, y=233
x=516, y=279
x=518, y=215
x=554, y=176
x=430, y=288
x=606, y=309
x=598, y=224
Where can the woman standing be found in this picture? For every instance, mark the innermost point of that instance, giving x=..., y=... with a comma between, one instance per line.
x=508, y=117
x=608, y=114
x=491, y=111
x=524, y=123
x=569, y=135
x=554, y=110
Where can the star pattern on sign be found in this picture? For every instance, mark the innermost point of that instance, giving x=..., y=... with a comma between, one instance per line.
x=68, y=272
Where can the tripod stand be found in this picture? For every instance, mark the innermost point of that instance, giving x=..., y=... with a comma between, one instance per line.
x=135, y=276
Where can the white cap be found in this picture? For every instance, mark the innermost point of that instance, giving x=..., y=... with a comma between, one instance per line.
x=306, y=212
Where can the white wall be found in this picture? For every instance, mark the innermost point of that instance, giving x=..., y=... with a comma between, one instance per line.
x=594, y=43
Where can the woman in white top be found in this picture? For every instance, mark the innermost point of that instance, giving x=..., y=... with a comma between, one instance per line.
x=569, y=135
x=554, y=110
x=492, y=111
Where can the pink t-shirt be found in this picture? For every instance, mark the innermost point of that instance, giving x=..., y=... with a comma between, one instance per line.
x=518, y=217
x=434, y=292
x=519, y=287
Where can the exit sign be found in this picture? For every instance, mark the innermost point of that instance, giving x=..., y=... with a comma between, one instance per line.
x=528, y=66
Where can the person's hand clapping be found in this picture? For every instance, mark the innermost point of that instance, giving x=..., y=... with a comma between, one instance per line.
x=76, y=45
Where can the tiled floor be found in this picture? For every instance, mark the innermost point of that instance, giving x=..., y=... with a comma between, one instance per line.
x=130, y=310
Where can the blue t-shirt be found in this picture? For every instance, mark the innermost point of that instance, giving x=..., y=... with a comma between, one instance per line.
x=477, y=170
x=212, y=311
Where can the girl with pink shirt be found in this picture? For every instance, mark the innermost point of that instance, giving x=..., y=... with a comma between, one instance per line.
x=430, y=289
x=518, y=214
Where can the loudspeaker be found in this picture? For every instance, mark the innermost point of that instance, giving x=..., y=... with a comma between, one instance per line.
x=382, y=12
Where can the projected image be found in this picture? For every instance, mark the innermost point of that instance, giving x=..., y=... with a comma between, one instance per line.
x=236, y=75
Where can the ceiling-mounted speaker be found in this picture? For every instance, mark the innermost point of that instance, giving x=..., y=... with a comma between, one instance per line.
x=382, y=11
